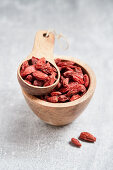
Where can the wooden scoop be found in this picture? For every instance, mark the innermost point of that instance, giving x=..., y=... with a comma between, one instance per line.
x=43, y=47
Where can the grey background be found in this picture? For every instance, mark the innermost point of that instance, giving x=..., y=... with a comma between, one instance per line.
x=26, y=143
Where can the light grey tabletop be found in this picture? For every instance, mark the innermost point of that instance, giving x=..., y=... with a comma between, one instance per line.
x=27, y=143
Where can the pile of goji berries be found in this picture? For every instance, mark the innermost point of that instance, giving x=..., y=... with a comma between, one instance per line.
x=84, y=136
x=74, y=83
x=38, y=72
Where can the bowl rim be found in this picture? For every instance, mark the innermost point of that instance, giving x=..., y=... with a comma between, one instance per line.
x=87, y=95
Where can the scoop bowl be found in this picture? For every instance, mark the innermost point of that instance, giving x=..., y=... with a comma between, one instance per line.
x=43, y=47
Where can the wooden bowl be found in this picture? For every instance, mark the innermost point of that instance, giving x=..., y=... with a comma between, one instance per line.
x=59, y=114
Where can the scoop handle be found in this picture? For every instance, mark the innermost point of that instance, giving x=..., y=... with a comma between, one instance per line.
x=43, y=46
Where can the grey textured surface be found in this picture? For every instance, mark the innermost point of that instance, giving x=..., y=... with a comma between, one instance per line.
x=26, y=143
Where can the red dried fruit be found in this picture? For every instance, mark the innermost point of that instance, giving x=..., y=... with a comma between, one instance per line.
x=74, y=97
x=28, y=70
x=52, y=78
x=78, y=69
x=38, y=83
x=34, y=60
x=27, y=81
x=29, y=78
x=77, y=78
x=65, y=82
x=40, y=75
x=86, y=80
x=71, y=92
x=46, y=68
x=58, y=85
x=68, y=73
x=55, y=93
x=47, y=83
x=66, y=68
x=57, y=60
x=81, y=88
x=65, y=63
x=53, y=99
x=43, y=60
x=73, y=85
x=64, y=89
x=62, y=98
x=76, y=142
x=87, y=137
x=24, y=65
x=79, y=75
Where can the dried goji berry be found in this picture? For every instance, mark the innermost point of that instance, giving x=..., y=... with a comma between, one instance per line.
x=81, y=88
x=58, y=85
x=34, y=60
x=57, y=60
x=28, y=70
x=86, y=80
x=53, y=99
x=55, y=93
x=62, y=98
x=68, y=73
x=52, y=78
x=77, y=79
x=87, y=137
x=24, y=65
x=66, y=68
x=65, y=63
x=38, y=83
x=74, y=97
x=29, y=78
x=64, y=89
x=71, y=92
x=72, y=85
x=65, y=82
x=40, y=75
x=78, y=69
x=76, y=142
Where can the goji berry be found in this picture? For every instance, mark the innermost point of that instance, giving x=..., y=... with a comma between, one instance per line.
x=65, y=82
x=28, y=70
x=34, y=60
x=53, y=99
x=62, y=98
x=64, y=89
x=81, y=88
x=86, y=80
x=74, y=97
x=38, y=83
x=29, y=78
x=71, y=92
x=24, y=65
x=40, y=75
x=87, y=137
x=76, y=142
x=55, y=93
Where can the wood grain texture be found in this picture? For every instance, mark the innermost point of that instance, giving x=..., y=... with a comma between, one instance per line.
x=59, y=114
x=43, y=47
